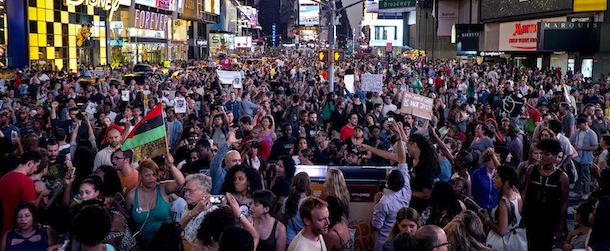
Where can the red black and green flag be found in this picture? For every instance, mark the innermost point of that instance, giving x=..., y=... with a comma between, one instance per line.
x=151, y=128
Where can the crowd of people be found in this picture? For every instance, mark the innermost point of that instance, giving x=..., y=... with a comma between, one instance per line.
x=492, y=169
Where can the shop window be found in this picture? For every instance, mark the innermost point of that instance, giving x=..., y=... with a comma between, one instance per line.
x=50, y=41
x=78, y=18
x=42, y=52
x=32, y=3
x=57, y=5
x=72, y=18
x=57, y=16
x=33, y=27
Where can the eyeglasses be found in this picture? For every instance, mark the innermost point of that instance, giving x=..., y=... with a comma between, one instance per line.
x=448, y=244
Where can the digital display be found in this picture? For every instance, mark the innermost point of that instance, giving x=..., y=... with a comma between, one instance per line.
x=492, y=9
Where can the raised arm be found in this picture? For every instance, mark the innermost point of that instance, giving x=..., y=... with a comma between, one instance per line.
x=178, y=182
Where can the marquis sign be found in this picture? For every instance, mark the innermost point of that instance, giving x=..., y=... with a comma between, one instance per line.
x=108, y=5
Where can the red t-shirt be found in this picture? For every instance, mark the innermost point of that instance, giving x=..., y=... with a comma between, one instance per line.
x=15, y=187
x=346, y=132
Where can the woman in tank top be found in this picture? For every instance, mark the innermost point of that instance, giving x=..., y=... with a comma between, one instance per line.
x=507, y=215
x=272, y=233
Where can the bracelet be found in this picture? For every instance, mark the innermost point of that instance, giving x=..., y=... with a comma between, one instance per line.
x=191, y=215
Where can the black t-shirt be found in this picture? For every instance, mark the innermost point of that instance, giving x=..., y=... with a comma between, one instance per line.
x=422, y=177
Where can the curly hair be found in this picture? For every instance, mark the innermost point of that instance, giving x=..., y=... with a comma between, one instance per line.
x=300, y=184
x=429, y=155
x=88, y=216
x=289, y=166
x=254, y=179
x=214, y=223
x=335, y=186
x=465, y=232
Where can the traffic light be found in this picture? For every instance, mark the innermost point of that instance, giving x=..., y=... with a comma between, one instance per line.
x=323, y=56
x=338, y=56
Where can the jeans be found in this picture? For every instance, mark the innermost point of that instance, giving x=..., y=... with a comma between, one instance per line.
x=583, y=184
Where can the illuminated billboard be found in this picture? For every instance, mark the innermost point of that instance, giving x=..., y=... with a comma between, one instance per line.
x=309, y=14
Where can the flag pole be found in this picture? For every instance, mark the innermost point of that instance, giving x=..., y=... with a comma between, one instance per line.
x=166, y=132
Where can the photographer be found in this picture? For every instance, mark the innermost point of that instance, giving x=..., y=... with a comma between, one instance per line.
x=251, y=157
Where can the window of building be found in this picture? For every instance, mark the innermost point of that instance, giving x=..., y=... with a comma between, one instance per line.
x=385, y=33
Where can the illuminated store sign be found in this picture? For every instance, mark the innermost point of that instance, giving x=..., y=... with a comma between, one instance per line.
x=108, y=5
x=150, y=20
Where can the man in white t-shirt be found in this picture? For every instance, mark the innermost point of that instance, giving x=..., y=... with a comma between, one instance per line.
x=314, y=213
x=387, y=105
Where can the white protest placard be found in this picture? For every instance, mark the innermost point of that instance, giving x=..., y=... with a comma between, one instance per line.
x=180, y=105
x=371, y=82
x=349, y=82
x=125, y=95
x=230, y=77
x=280, y=63
x=417, y=105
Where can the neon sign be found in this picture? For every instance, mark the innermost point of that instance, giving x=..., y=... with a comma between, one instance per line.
x=108, y=5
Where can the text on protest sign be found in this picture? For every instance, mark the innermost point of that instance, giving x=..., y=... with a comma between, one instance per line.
x=417, y=105
x=372, y=82
x=230, y=77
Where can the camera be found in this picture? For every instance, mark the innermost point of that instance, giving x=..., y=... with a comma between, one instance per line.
x=80, y=116
x=391, y=120
x=218, y=200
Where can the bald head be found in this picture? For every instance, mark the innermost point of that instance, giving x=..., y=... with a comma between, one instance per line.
x=430, y=237
x=232, y=159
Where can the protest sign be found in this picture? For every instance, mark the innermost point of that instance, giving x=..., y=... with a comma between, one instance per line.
x=417, y=105
x=125, y=95
x=180, y=105
x=372, y=82
x=349, y=82
x=230, y=77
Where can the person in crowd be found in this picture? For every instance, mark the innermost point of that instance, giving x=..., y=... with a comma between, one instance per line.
x=263, y=205
x=407, y=221
x=443, y=205
x=114, y=139
x=215, y=223
x=284, y=172
x=545, y=196
x=227, y=156
x=251, y=156
x=339, y=236
x=17, y=187
x=507, y=215
x=599, y=238
x=585, y=142
x=121, y=162
x=463, y=166
x=92, y=238
x=241, y=181
x=483, y=191
x=197, y=197
x=397, y=195
x=576, y=239
x=283, y=145
x=531, y=161
x=335, y=186
x=299, y=191
x=465, y=232
x=148, y=203
x=481, y=141
x=315, y=216
x=431, y=237
x=28, y=233
x=321, y=149
x=170, y=236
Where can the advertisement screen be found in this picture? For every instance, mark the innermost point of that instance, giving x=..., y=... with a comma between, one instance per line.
x=492, y=9
x=243, y=42
x=309, y=15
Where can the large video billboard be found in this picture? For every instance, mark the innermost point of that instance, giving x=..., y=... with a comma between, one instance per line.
x=493, y=9
x=309, y=14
